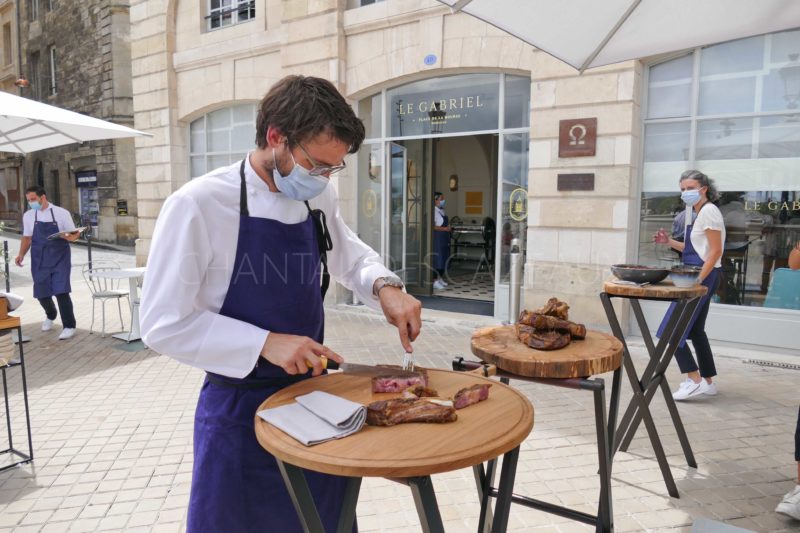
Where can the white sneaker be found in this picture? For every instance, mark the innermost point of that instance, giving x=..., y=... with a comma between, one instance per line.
x=47, y=325
x=66, y=334
x=438, y=284
x=444, y=282
x=790, y=504
x=690, y=389
x=711, y=390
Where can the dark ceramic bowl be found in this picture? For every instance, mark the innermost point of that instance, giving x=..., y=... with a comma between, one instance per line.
x=685, y=277
x=639, y=273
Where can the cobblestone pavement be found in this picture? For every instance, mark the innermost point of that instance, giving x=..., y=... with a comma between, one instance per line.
x=112, y=436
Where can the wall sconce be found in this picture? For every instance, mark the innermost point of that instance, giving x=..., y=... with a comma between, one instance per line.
x=791, y=81
x=22, y=82
x=453, y=182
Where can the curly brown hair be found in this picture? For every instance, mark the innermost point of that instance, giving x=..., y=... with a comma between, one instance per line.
x=302, y=107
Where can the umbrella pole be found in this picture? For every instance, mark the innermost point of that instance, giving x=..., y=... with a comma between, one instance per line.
x=8, y=273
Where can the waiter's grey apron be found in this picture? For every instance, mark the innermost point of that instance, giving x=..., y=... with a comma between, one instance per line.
x=275, y=285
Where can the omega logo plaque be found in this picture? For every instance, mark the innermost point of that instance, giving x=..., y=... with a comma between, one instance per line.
x=577, y=137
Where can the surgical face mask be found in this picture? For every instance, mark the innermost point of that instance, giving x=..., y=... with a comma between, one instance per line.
x=441, y=204
x=690, y=196
x=298, y=184
x=35, y=205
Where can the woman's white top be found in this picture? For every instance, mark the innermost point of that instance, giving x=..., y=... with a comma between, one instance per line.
x=191, y=262
x=709, y=217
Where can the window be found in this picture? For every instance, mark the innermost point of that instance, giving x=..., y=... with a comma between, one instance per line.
x=7, y=52
x=33, y=10
x=53, y=89
x=221, y=138
x=732, y=111
x=223, y=13
x=36, y=86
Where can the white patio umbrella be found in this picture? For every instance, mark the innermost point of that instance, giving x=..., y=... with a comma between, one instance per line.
x=592, y=33
x=27, y=125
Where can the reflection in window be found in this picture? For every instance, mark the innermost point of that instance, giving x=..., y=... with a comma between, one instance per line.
x=223, y=13
x=221, y=137
x=742, y=129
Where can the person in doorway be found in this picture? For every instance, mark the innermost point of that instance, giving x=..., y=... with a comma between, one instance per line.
x=50, y=258
x=702, y=247
x=790, y=504
x=441, y=240
x=236, y=277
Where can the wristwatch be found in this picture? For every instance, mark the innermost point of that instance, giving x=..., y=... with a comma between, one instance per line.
x=388, y=281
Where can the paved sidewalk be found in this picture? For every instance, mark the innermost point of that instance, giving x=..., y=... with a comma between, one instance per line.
x=112, y=437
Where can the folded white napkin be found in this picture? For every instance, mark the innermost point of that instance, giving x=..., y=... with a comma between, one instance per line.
x=14, y=300
x=317, y=417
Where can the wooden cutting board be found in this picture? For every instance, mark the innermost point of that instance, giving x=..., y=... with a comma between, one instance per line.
x=499, y=345
x=663, y=290
x=483, y=431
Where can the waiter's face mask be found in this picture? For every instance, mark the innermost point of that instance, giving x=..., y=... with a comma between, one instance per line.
x=299, y=184
x=35, y=204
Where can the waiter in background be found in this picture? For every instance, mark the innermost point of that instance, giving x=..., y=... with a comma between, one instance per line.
x=235, y=284
x=441, y=240
x=51, y=261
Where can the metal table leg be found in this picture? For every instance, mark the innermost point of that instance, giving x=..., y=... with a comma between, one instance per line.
x=656, y=379
x=638, y=401
x=301, y=497
x=605, y=514
x=485, y=480
x=505, y=491
x=348, y=516
x=425, y=501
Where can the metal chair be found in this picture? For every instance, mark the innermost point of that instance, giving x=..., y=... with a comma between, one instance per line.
x=104, y=289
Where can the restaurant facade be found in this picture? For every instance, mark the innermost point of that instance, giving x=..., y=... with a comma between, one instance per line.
x=581, y=169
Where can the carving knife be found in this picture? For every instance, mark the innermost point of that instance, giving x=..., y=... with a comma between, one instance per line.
x=365, y=370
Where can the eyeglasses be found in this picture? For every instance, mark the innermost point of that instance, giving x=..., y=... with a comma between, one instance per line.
x=320, y=170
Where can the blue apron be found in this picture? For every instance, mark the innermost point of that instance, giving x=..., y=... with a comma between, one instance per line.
x=441, y=246
x=275, y=285
x=51, y=261
x=691, y=258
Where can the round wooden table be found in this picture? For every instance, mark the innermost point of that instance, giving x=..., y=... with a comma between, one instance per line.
x=568, y=367
x=411, y=452
x=597, y=354
x=663, y=290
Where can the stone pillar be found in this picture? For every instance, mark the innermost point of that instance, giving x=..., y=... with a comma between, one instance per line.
x=573, y=237
x=161, y=157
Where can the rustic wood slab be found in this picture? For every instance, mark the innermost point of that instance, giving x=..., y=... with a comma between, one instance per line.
x=483, y=431
x=499, y=345
x=663, y=290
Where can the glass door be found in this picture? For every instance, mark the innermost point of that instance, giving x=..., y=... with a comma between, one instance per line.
x=399, y=197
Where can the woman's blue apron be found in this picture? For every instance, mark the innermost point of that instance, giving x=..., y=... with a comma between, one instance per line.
x=441, y=246
x=691, y=258
x=275, y=285
x=51, y=261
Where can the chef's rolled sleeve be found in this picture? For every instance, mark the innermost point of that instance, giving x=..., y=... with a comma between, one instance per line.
x=174, y=321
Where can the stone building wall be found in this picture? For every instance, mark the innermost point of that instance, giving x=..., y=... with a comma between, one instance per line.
x=92, y=43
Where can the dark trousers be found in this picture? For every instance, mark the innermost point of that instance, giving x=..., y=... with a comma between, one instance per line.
x=64, y=306
x=701, y=347
x=797, y=439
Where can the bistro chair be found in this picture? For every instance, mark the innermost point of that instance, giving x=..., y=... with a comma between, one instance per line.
x=104, y=289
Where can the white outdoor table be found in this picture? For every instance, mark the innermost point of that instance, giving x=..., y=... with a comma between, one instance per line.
x=131, y=274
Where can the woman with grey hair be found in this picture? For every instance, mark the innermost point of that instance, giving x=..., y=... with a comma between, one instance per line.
x=704, y=241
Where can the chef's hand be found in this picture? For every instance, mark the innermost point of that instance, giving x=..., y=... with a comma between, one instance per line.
x=295, y=353
x=71, y=236
x=402, y=310
x=18, y=260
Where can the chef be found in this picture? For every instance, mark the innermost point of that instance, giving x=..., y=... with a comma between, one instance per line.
x=237, y=272
x=51, y=260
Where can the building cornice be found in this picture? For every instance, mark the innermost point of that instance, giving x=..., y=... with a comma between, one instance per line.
x=240, y=48
x=381, y=17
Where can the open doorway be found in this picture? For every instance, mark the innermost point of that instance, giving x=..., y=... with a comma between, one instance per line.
x=463, y=170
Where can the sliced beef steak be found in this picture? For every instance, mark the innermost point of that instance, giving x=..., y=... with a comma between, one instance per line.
x=390, y=382
x=546, y=323
x=471, y=395
x=406, y=410
x=420, y=391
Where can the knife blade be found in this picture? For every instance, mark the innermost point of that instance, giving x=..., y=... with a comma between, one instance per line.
x=364, y=370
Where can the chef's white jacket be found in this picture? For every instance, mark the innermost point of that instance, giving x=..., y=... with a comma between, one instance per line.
x=191, y=261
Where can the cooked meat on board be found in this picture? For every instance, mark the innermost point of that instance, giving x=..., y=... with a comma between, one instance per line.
x=420, y=391
x=548, y=327
x=471, y=395
x=406, y=410
x=394, y=383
